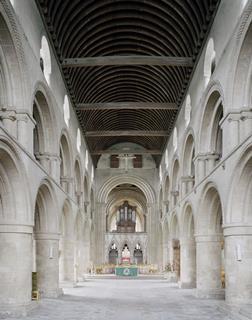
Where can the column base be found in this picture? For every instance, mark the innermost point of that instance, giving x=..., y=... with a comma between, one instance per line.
x=171, y=277
x=187, y=285
x=68, y=284
x=51, y=293
x=12, y=310
x=237, y=311
x=218, y=294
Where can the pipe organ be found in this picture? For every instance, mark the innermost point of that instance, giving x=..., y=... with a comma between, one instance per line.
x=126, y=218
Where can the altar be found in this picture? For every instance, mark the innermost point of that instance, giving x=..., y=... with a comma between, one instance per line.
x=126, y=271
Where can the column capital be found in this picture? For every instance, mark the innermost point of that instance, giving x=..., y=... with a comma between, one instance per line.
x=237, y=230
x=47, y=156
x=187, y=179
x=175, y=193
x=46, y=236
x=66, y=179
x=187, y=241
x=15, y=228
x=8, y=115
x=208, y=238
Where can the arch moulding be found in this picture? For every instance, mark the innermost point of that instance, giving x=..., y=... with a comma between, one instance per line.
x=111, y=183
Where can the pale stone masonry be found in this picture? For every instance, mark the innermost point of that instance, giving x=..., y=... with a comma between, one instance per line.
x=58, y=211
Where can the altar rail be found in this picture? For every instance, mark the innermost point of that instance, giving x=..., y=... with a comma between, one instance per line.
x=142, y=269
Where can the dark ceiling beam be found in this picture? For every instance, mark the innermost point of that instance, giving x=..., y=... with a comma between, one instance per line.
x=130, y=151
x=128, y=61
x=126, y=105
x=126, y=133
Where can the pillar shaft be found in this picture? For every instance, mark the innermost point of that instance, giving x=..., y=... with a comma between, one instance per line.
x=209, y=267
x=47, y=263
x=68, y=260
x=238, y=262
x=15, y=269
x=188, y=263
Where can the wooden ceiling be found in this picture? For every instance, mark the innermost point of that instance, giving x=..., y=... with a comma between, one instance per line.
x=127, y=64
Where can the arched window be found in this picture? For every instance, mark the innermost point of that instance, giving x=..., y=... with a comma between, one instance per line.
x=175, y=182
x=66, y=110
x=188, y=109
x=209, y=63
x=78, y=140
x=45, y=59
x=175, y=139
x=86, y=160
x=217, y=142
x=166, y=159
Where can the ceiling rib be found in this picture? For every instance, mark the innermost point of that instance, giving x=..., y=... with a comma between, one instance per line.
x=126, y=105
x=126, y=133
x=127, y=61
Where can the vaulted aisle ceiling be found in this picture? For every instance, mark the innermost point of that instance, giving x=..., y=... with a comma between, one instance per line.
x=127, y=64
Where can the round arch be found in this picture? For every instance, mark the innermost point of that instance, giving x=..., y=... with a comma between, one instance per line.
x=13, y=209
x=78, y=180
x=210, y=120
x=241, y=83
x=210, y=243
x=210, y=212
x=111, y=183
x=240, y=194
x=46, y=217
x=187, y=222
x=66, y=160
x=45, y=124
x=12, y=58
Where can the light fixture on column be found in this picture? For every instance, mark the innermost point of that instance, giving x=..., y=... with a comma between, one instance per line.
x=51, y=253
x=238, y=252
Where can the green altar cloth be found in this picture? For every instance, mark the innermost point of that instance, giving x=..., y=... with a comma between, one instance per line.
x=126, y=271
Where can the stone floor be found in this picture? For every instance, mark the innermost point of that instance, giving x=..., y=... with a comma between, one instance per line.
x=127, y=299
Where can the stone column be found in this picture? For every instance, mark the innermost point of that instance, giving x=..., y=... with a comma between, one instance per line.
x=230, y=126
x=186, y=185
x=211, y=159
x=238, y=264
x=15, y=269
x=208, y=252
x=165, y=254
x=25, y=127
x=175, y=196
x=9, y=119
x=100, y=233
x=68, y=262
x=67, y=184
x=187, y=263
x=200, y=167
x=55, y=167
x=81, y=259
x=245, y=123
x=151, y=231
x=47, y=262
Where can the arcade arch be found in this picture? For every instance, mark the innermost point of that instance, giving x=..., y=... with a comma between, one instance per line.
x=46, y=241
x=66, y=164
x=188, y=249
x=43, y=144
x=66, y=245
x=188, y=174
x=210, y=244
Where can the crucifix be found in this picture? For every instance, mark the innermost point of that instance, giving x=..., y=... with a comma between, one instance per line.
x=126, y=157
